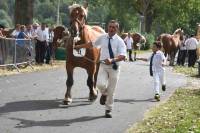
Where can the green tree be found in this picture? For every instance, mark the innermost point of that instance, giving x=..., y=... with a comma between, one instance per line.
x=24, y=11
x=5, y=19
x=45, y=12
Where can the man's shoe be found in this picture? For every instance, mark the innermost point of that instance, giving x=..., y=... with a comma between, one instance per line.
x=103, y=99
x=108, y=114
x=164, y=87
x=157, y=97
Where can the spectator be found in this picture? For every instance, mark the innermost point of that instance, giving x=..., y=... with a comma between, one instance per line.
x=129, y=45
x=191, y=45
x=1, y=50
x=1, y=33
x=182, y=53
x=29, y=31
x=49, y=48
x=15, y=33
x=20, y=45
x=34, y=30
x=42, y=38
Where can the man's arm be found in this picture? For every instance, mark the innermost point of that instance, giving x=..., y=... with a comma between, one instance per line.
x=115, y=59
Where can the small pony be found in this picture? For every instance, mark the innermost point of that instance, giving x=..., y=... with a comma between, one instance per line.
x=171, y=44
x=137, y=40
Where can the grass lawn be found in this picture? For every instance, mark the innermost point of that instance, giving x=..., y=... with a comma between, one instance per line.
x=143, y=51
x=190, y=71
x=180, y=114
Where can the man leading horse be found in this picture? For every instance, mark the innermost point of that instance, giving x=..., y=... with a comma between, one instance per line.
x=113, y=51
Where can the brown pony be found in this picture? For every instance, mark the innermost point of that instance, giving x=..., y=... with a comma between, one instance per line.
x=171, y=44
x=137, y=39
x=79, y=34
x=7, y=32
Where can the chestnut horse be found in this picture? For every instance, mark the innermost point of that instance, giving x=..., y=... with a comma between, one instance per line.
x=7, y=32
x=137, y=39
x=171, y=44
x=81, y=33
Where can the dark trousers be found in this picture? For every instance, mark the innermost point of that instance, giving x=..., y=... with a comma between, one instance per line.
x=181, y=57
x=48, y=54
x=192, y=57
x=130, y=54
x=40, y=51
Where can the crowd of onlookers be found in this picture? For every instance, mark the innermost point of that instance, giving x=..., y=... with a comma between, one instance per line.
x=42, y=36
x=188, y=48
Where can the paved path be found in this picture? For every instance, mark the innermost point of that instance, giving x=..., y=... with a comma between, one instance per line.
x=29, y=102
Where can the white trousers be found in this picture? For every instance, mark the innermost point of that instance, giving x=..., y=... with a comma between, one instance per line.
x=159, y=79
x=107, y=82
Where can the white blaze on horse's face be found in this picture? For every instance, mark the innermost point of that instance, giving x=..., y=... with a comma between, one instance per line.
x=77, y=18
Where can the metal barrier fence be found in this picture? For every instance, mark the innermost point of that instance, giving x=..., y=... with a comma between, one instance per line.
x=14, y=52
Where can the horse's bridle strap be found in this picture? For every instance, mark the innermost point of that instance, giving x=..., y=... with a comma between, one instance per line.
x=82, y=25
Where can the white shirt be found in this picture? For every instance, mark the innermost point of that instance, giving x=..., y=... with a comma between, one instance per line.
x=51, y=36
x=158, y=60
x=117, y=44
x=34, y=32
x=191, y=43
x=183, y=46
x=29, y=33
x=15, y=33
x=42, y=35
x=129, y=42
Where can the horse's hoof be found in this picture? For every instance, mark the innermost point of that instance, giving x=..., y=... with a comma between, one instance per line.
x=92, y=98
x=65, y=104
x=67, y=101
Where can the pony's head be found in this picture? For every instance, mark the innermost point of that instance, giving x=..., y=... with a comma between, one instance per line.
x=179, y=32
x=78, y=16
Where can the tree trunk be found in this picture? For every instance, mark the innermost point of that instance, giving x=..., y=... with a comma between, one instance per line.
x=148, y=22
x=24, y=11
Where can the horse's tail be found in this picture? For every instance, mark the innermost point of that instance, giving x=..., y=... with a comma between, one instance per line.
x=143, y=39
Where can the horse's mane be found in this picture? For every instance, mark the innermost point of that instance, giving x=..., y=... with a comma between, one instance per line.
x=60, y=26
x=72, y=7
x=179, y=30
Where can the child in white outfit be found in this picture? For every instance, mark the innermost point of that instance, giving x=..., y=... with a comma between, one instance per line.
x=157, y=70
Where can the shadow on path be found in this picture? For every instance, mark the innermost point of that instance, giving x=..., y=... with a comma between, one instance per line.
x=54, y=123
x=31, y=105
x=132, y=101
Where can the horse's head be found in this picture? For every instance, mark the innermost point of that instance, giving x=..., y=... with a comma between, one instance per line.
x=78, y=16
x=180, y=33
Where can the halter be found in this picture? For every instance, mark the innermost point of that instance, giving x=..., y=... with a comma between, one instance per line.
x=73, y=28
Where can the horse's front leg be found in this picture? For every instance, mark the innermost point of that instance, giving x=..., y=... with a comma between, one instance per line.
x=91, y=84
x=69, y=83
x=172, y=58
